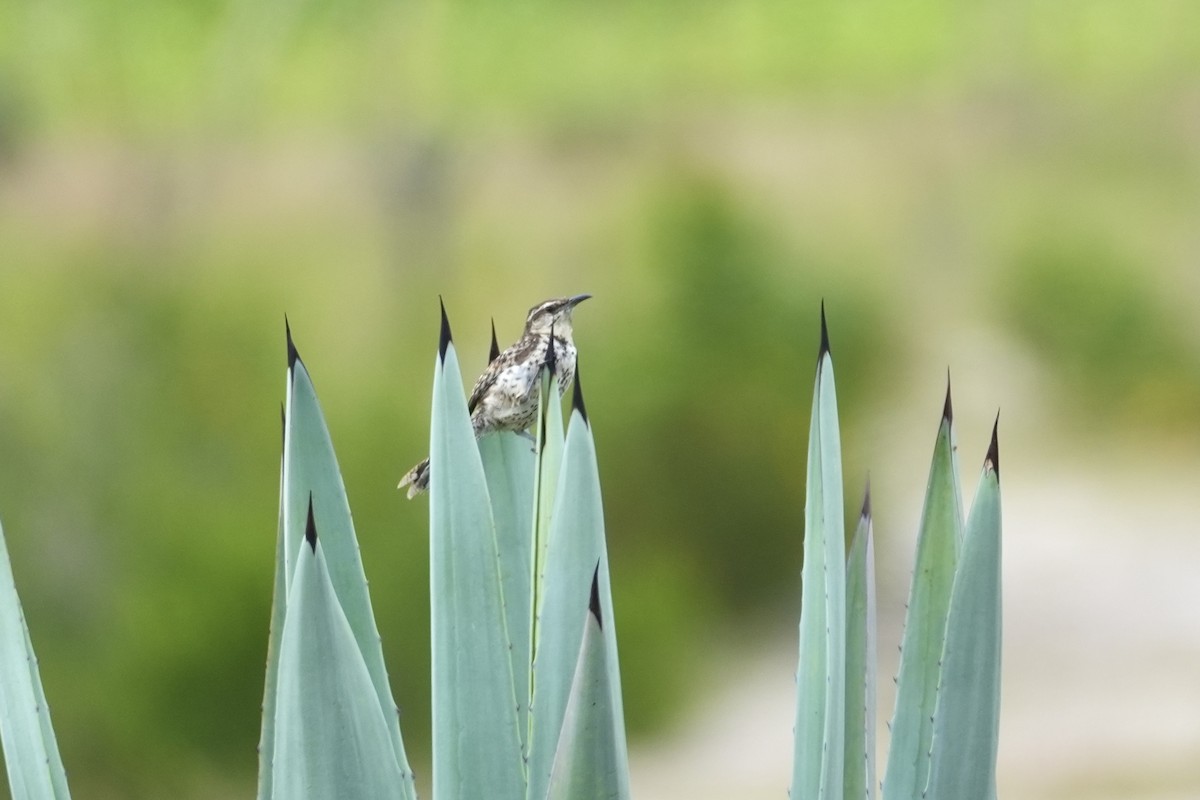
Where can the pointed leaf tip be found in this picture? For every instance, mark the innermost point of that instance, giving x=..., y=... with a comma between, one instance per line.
x=293, y=356
x=551, y=359
x=993, y=454
x=494, y=352
x=866, y=506
x=824, y=334
x=310, y=528
x=444, y=338
x=948, y=409
x=541, y=434
x=594, y=602
x=577, y=396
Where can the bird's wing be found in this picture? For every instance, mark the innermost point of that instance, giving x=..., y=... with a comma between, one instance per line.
x=515, y=353
x=483, y=383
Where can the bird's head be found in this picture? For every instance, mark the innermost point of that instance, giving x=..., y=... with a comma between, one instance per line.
x=554, y=313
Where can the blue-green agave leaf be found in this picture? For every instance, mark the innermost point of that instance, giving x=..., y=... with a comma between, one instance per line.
x=860, y=660
x=331, y=736
x=266, y=741
x=590, y=757
x=817, y=768
x=35, y=768
x=967, y=717
x=310, y=471
x=476, y=742
x=576, y=547
x=549, y=449
x=938, y=541
x=508, y=464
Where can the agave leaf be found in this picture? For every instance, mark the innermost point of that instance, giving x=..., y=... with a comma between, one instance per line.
x=549, y=449
x=310, y=473
x=266, y=740
x=860, y=660
x=476, y=744
x=967, y=717
x=590, y=755
x=817, y=769
x=508, y=464
x=938, y=541
x=331, y=736
x=35, y=768
x=576, y=552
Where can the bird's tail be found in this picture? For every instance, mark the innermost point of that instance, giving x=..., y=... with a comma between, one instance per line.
x=416, y=479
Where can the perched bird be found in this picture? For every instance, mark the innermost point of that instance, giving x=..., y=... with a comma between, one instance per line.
x=505, y=397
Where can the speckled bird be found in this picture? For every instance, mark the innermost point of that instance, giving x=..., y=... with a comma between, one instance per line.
x=505, y=397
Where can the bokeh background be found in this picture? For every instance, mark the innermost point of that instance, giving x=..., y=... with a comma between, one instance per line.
x=1010, y=190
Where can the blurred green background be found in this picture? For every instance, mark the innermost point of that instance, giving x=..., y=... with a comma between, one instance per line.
x=1010, y=189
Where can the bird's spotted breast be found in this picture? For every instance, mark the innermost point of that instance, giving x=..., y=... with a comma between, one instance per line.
x=508, y=399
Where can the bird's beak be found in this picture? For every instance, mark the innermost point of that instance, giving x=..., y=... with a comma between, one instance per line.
x=577, y=299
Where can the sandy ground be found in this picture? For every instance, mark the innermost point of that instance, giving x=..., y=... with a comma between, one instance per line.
x=1101, y=692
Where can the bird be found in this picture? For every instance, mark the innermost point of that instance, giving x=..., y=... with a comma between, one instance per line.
x=505, y=397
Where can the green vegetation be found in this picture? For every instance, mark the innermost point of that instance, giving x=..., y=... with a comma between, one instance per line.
x=206, y=63
x=175, y=177
x=1120, y=343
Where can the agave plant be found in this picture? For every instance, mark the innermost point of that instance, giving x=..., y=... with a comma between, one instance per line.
x=944, y=732
x=330, y=726
x=526, y=697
